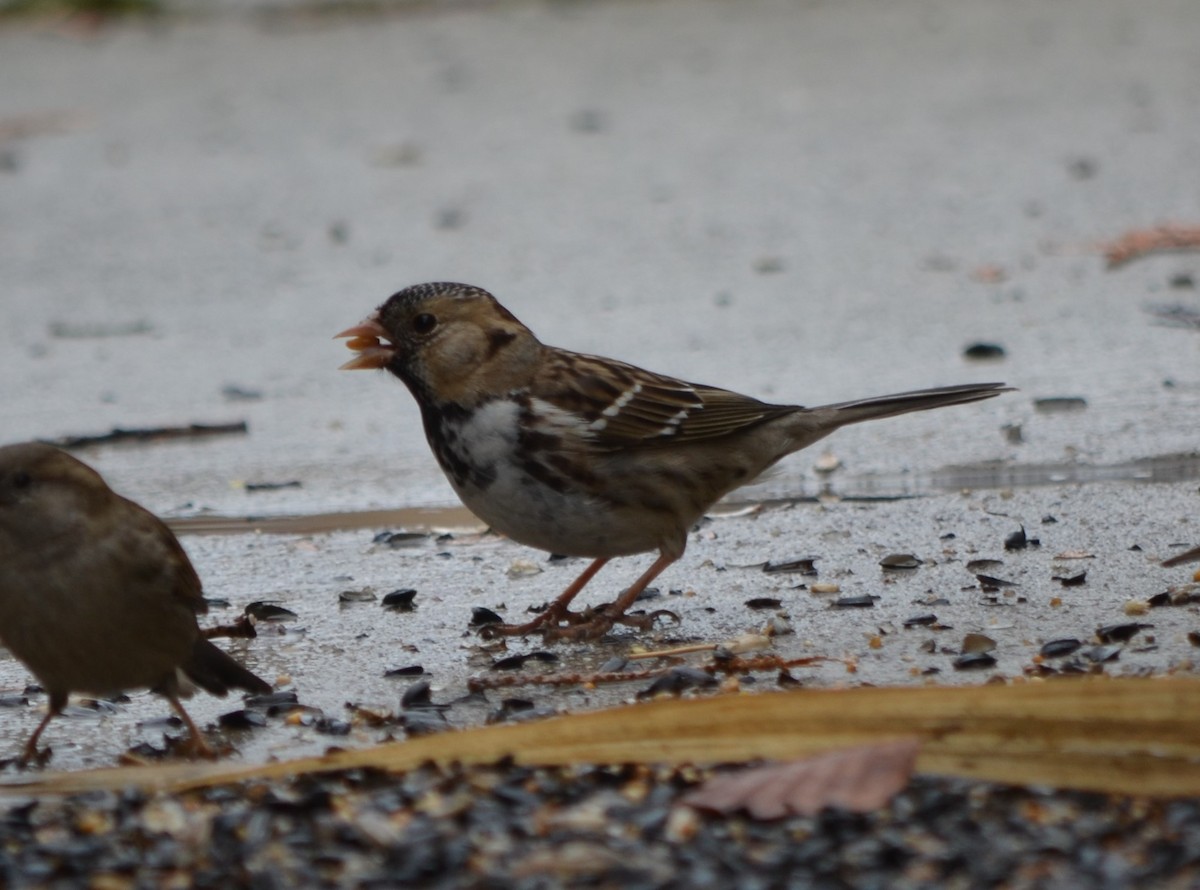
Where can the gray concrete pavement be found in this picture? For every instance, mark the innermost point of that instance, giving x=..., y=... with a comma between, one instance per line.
x=806, y=202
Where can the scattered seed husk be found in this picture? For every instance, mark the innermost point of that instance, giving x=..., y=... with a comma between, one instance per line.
x=778, y=626
x=1060, y=648
x=402, y=600
x=264, y=610
x=270, y=700
x=418, y=696
x=252, y=487
x=481, y=615
x=824, y=587
x=243, y=719
x=509, y=708
x=397, y=540
x=899, y=561
x=924, y=620
x=522, y=568
x=1119, y=633
x=764, y=602
x=747, y=642
x=981, y=351
x=1018, y=540
x=1059, y=404
x=676, y=680
x=990, y=583
x=984, y=565
x=973, y=661
x=796, y=566
x=516, y=662
x=859, y=601
x=424, y=722
x=410, y=670
x=977, y=642
x=1073, y=580
x=366, y=595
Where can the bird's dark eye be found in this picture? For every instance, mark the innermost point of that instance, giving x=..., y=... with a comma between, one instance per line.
x=21, y=479
x=424, y=323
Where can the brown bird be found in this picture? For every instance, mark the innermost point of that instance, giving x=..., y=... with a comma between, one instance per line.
x=582, y=455
x=96, y=593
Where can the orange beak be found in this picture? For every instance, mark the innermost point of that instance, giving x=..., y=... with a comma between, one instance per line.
x=365, y=339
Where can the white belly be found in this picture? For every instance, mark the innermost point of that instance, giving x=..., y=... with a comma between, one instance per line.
x=515, y=503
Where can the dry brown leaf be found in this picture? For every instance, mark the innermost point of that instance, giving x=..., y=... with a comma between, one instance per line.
x=989, y=273
x=1075, y=554
x=27, y=126
x=861, y=779
x=1113, y=735
x=1138, y=243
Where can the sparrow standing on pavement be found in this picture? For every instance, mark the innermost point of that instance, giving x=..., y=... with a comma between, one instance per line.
x=582, y=455
x=96, y=593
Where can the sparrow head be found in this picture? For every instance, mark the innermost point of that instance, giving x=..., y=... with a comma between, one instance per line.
x=448, y=342
x=44, y=493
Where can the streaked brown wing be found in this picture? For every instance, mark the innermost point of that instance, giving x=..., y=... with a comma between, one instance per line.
x=625, y=405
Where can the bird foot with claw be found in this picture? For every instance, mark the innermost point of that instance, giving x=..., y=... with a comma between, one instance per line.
x=548, y=619
x=194, y=748
x=34, y=758
x=562, y=624
x=595, y=623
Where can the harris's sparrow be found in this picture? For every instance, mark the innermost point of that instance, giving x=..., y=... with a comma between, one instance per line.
x=96, y=593
x=582, y=455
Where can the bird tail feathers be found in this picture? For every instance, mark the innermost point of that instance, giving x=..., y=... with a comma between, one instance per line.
x=915, y=400
x=213, y=670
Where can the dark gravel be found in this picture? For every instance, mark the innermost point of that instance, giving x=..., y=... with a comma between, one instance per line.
x=509, y=826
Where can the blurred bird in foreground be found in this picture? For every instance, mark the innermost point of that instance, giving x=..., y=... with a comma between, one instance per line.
x=96, y=593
